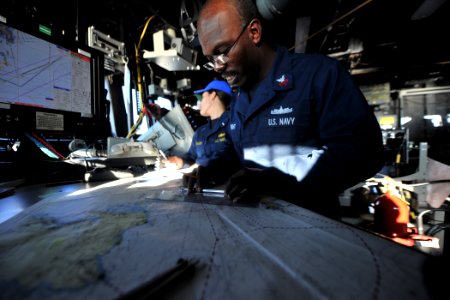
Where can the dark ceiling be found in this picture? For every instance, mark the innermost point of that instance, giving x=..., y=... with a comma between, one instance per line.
x=402, y=40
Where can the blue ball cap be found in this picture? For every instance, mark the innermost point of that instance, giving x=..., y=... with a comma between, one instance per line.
x=219, y=85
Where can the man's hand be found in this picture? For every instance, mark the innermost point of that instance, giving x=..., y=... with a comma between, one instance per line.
x=197, y=180
x=249, y=184
x=243, y=185
x=190, y=182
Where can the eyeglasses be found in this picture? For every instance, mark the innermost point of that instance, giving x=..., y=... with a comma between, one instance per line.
x=222, y=58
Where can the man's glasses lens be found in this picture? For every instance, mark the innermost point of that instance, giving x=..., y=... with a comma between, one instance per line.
x=209, y=66
x=222, y=58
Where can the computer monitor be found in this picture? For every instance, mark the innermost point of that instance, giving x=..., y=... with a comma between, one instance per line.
x=48, y=87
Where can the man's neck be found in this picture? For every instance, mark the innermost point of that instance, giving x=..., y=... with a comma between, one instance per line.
x=267, y=56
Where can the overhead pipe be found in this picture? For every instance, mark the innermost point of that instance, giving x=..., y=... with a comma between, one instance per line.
x=270, y=9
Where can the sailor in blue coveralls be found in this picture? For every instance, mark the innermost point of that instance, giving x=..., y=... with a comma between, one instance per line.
x=211, y=146
x=302, y=127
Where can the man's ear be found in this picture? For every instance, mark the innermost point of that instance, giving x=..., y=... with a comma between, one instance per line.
x=255, y=29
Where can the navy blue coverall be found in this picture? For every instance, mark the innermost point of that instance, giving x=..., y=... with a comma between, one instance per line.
x=212, y=147
x=308, y=119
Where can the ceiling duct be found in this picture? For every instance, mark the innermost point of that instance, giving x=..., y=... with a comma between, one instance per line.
x=270, y=9
x=426, y=9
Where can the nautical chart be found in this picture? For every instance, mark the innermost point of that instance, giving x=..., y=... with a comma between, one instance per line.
x=103, y=242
